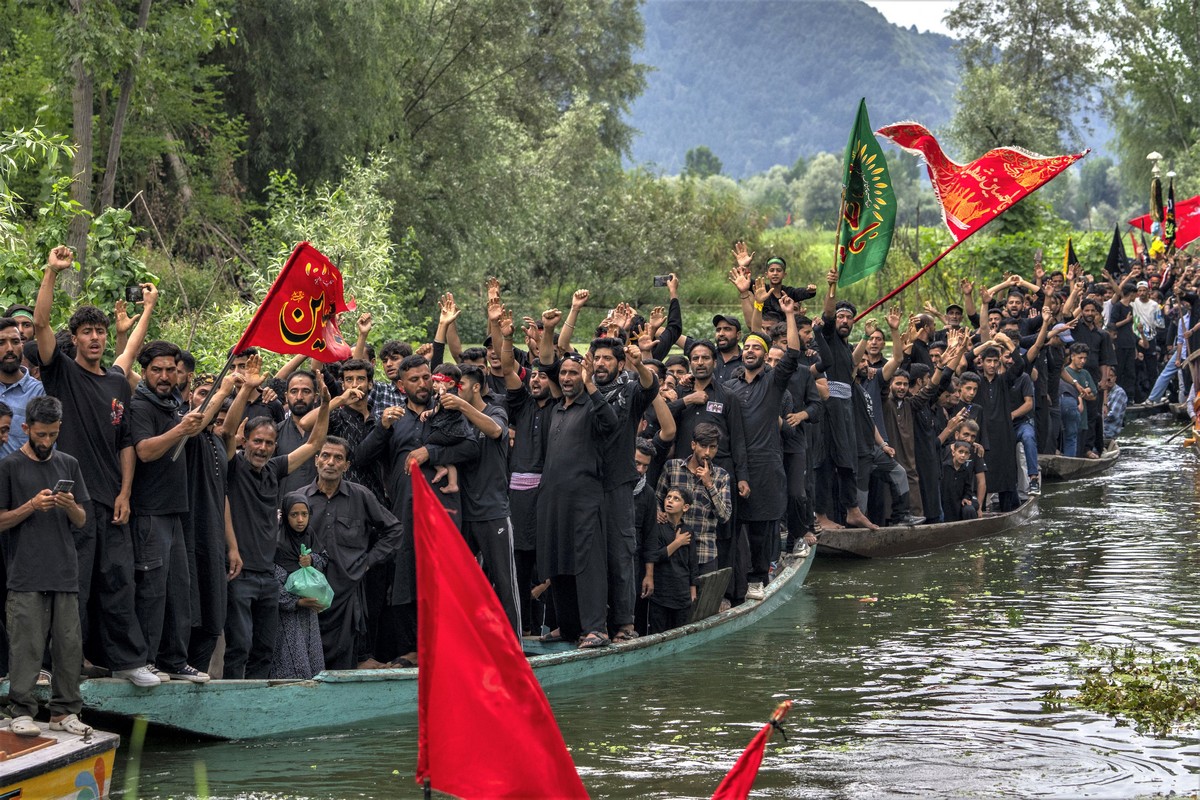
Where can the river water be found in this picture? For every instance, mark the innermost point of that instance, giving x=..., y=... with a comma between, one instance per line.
x=913, y=677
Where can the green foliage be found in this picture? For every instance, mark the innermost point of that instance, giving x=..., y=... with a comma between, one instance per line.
x=700, y=162
x=1158, y=692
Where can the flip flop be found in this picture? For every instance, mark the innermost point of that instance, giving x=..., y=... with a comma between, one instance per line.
x=593, y=640
x=625, y=636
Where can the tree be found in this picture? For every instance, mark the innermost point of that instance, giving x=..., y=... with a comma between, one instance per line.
x=1028, y=68
x=700, y=162
x=819, y=192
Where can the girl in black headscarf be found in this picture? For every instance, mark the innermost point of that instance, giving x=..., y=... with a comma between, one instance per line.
x=298, y=652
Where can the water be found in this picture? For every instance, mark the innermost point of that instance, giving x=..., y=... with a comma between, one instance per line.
x=914, y=677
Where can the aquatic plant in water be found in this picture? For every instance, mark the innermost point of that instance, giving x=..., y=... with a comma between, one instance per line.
x=1158, y=692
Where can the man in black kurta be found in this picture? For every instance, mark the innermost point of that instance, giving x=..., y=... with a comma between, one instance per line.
x=342, y=515
x=571, y=546
x=996, y=399
x=760, y=390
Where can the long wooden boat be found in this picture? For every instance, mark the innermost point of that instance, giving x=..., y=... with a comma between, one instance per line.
x=247, y=709
x=1139, y=410
x=904, y=539
x=1067, y=468
x=57, y=765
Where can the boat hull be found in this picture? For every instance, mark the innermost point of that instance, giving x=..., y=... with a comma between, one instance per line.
x=249, y=709
x=1066, y=468
x=1140, y=410
x=903, y=540
x=68, y=768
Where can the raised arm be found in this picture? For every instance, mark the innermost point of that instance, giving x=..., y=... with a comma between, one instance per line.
x=578, y=301
x=829, y=304
x=60, y=259
x=252, y=378
x=149, y=299
x=897, y=356
x=364, y=325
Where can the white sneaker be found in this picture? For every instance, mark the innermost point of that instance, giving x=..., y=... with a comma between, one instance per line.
x=139, y=676
x=190, y=673
x=755, y=592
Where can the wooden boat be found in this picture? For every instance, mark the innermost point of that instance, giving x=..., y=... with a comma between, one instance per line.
x=1139, y=410
x=246, y=709
x=904, y=539
x=1066, y=468
x=1180, y=411
x=57, y=765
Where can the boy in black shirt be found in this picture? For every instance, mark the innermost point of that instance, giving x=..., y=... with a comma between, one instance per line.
x=958, y=479
x=672, y=567
x=42, y=498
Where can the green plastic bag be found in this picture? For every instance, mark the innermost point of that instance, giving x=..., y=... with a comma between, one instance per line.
x=309, y=582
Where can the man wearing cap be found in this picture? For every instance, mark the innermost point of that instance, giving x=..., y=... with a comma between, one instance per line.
x=953, y=319
x=24, y=317
x=841, y=436
x=1150, y=323
x=760, y=390
x=726, y=331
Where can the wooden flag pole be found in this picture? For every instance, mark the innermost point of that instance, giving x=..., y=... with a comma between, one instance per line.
x=220, y=377
x=909, y=282
x=837, y=239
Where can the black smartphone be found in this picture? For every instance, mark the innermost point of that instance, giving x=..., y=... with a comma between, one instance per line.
x=133, y=294
x=63, y=487
x=661, y=280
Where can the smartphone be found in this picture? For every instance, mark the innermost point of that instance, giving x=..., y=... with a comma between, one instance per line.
x=63, y=487
x=133, y=294
x=661, y=280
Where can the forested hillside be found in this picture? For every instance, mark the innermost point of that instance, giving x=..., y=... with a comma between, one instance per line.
x=761, y=82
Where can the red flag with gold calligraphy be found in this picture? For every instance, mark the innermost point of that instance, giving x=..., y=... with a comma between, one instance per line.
x=299, y=314
x=972, y=195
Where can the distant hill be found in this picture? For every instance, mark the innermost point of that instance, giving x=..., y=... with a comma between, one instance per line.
x=761, y=82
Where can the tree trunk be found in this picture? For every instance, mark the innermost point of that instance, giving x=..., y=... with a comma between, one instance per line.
x=81, y=189
x=179, y=170
x=108, y=185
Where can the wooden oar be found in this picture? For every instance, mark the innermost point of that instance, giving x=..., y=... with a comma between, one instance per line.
x=1186, y=428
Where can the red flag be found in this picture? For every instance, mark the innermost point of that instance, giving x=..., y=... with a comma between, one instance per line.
x=299, y=313
x=1187, y=222
x=740, y=780
x=485, y=728
x=972, y=195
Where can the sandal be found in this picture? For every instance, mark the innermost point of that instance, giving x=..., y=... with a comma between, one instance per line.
x=553, y=636
x=25, y=726
x=625, y=635
x=401, y=663
x=71, y=724
x=593, y=640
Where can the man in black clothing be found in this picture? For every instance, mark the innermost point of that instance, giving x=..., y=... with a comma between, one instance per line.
x=1122, y=320
x=301, y=398
x=163, y=593
x=760, y=390
x=486, y=515
x=94, y=400
x=342, y=516
x=629, y=399
x=252, y=621
x=1101, y=360
x=726, y=332
x=572, y=551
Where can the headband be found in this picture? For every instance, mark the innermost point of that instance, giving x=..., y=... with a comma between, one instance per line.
x=766, y=345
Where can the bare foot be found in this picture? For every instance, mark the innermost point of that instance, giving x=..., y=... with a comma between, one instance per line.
x=827, y=523
x=857, y=519
x=450, y=488
x=371, y=663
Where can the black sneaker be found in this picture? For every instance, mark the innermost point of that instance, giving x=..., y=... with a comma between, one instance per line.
x=190, y=673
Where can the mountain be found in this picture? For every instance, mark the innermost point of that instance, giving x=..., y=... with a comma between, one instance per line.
x=761, y=82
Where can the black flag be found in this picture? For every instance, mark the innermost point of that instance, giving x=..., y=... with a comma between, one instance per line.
x=1117, y=262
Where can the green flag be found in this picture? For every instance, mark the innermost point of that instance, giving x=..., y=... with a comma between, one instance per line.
x=869, y=209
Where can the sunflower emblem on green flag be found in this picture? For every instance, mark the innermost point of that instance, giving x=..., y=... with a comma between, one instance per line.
x=869, y=208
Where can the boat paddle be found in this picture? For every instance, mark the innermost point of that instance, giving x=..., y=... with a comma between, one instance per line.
x=1185, y=429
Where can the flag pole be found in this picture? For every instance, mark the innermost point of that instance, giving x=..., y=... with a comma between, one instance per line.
x=204, y=405
x=909, y=282
x=837, y=238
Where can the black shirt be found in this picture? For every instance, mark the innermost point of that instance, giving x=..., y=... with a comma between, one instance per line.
x=40, y=552
x=485, y=481
x=1126, y=337
x=528, y=420
x=629, y=400
x=289, y=437
x=254, y=509
x=674, y=574
x=159, y=486
x=95, y=429
x=342, y=526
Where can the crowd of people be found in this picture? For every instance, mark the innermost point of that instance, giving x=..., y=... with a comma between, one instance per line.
x=147, y=511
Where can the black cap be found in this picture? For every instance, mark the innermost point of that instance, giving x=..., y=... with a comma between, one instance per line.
x=953, y=306
x=487, y=342
x=719, y=318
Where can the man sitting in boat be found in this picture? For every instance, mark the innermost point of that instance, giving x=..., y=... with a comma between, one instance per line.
x=1115, y=403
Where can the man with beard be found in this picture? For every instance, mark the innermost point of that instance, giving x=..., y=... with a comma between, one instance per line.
x=873, y=382
x=572, y=551
x=803, y=410
x=17, y=386
x=290, y=434
x=1100, y=362
x=726, y=331
x=710, y=401
x=163, y=592
x=388, y=394
x=185, y=369
x=95, y=400
x=263, y=402
x=923, y=334
x=342, y=515
x=400, y=441
x=629, y=400
x=43, y=500
x=841, y=438
x=760, y=391
x=528, y=406
x=207, y=526
x=255, y=474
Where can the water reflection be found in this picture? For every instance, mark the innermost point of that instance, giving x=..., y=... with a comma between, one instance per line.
x=914, y=677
